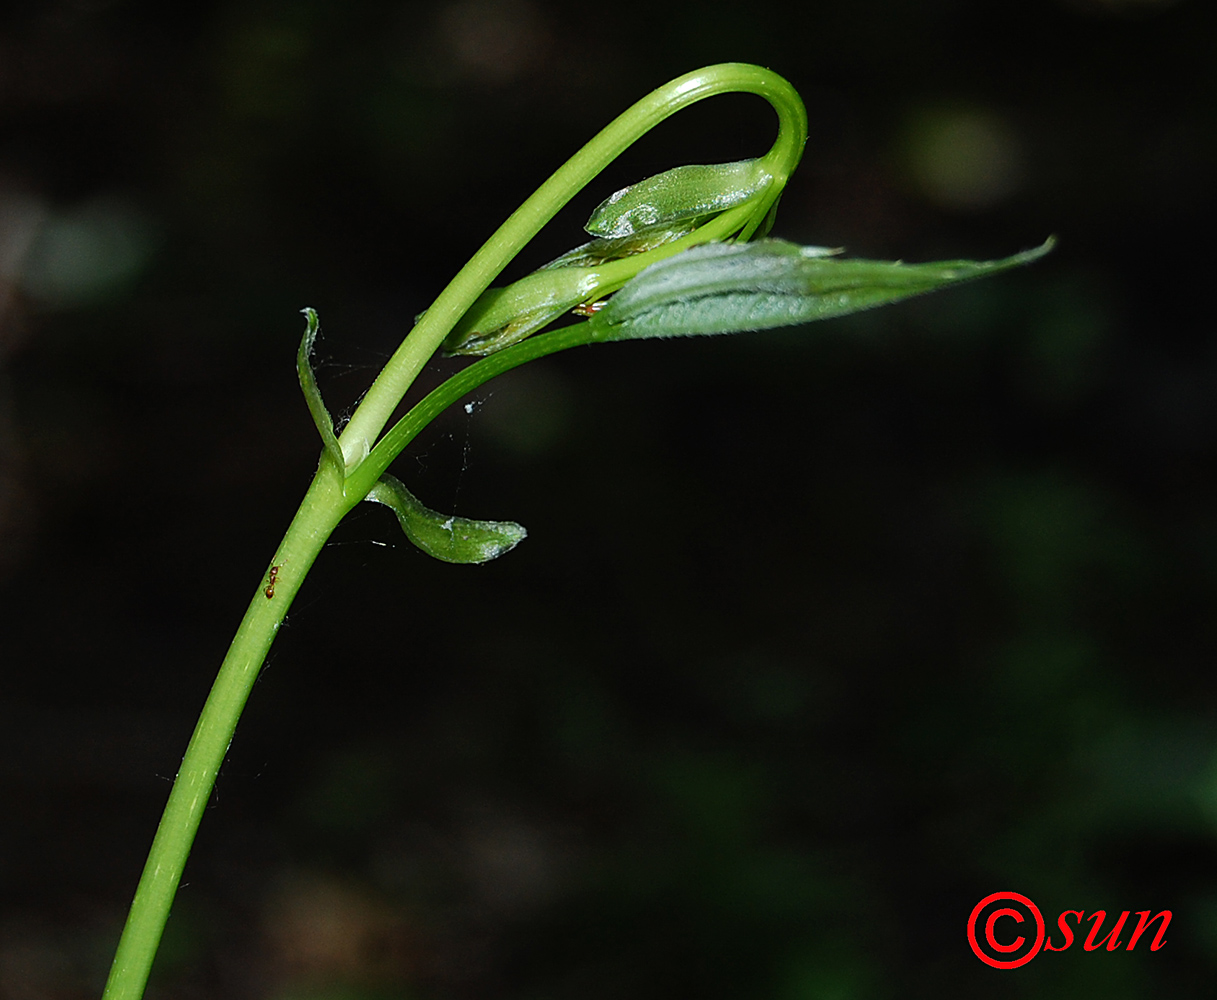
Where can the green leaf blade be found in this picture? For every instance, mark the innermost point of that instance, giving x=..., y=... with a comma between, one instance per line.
x=446, y=537
x=731, y=288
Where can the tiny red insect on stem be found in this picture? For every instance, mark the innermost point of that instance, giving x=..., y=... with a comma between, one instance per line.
x=270, y=584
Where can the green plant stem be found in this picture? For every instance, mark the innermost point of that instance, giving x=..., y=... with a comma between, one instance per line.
x=330, y=497
x=403, y=367
x=323, y=507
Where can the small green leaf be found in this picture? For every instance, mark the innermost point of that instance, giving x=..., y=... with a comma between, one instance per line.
x=678, y=194
x=312, y=394
x=448, y=538
x=728, y=288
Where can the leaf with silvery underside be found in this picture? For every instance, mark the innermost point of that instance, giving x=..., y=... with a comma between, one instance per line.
x=729, y=288
x=448, y=538
x=678, y=194
x=312, y=393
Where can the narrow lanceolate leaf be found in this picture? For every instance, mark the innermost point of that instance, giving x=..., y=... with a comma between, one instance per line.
x=451, y=539
x=728, y=288
x=312, y=394
x=674, y=195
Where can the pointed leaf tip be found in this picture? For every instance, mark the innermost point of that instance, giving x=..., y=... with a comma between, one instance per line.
x=446, y=537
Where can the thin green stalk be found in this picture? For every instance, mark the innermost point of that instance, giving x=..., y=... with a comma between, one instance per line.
x=322, y=508
x=333, y=492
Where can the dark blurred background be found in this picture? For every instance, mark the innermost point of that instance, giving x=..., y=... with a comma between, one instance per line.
x=819, y=636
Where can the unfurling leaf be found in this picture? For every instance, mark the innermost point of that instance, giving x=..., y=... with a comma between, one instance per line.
x=312, y=394
x=448, y=538
x=678, y=194
x=729, y=288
